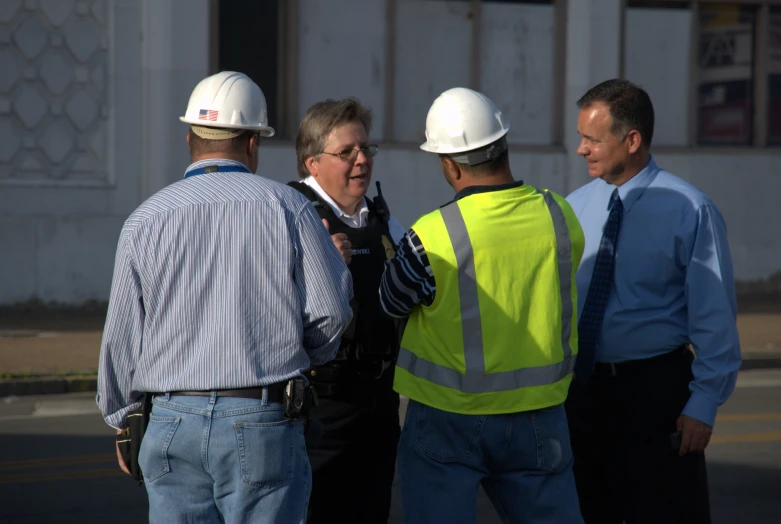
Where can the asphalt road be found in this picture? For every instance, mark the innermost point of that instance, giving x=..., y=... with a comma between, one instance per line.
x=57, y=461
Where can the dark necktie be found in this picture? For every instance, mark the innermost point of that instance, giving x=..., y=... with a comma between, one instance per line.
x=593, y=314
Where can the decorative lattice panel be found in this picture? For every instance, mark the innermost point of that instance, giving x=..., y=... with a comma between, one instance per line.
x=53, y=90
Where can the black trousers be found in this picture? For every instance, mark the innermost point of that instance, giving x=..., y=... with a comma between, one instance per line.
x=625, y=467
x=354, y=462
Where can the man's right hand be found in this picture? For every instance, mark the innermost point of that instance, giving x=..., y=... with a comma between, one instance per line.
x=342, y=243
x=122, y=464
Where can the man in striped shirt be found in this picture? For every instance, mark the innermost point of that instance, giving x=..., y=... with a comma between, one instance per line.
x=226, y=286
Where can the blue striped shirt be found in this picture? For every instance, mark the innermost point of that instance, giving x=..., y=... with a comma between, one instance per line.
x=408, y=278
x=222, y=280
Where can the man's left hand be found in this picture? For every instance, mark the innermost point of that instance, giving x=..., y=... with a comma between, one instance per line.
x=695, y=435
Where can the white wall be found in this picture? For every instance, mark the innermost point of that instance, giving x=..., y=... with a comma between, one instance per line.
x=659, y=62
x=433, y=45
x=59, y=225
x=516, y=67
x=58, y=235
x=342, y=53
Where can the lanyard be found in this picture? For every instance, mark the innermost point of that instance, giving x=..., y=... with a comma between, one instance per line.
x=214, y=169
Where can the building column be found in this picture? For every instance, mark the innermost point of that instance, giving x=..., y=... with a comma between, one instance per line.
x=594, y=46
x=175, y=55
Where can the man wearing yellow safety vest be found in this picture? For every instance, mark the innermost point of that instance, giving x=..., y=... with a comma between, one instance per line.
x=488, y=284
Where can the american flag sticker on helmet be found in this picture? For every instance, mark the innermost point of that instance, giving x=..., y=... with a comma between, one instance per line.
x=208, y=114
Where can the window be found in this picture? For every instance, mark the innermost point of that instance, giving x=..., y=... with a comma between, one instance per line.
x=725, y=75
x=248, y=42
x=731, y=95
x=774, y=79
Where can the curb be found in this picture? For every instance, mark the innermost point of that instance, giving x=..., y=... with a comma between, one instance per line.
x=47, y=386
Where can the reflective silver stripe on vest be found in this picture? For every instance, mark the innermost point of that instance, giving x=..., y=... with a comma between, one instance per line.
x=476, y=380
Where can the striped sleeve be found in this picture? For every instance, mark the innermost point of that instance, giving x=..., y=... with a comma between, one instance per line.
x=408, y=278
x=324, y=286
x=122, y=341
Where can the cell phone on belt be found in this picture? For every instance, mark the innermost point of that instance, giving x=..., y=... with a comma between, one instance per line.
x=675, y=441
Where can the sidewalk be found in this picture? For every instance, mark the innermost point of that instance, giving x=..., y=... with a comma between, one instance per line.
x=59, y=353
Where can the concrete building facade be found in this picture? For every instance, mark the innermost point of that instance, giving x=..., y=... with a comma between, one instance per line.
x=91, y=92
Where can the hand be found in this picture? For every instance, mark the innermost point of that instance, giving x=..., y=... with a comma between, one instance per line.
x=695, y=435
x=342, y=243
x=122, y=465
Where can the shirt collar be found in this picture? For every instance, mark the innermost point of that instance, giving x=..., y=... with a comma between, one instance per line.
x=363, y=209
x=214, y=162
x=473, y=190
x=631, y=190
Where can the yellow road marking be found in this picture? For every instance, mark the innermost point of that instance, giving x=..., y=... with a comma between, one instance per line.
x=61, y=475
x=748, y=417
x=74, y=460
x=731, y=438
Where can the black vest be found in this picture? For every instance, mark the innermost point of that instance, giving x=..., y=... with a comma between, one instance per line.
x=372, y=335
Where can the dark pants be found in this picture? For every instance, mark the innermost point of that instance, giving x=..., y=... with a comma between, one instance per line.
x=354, y=462
x=625, y=467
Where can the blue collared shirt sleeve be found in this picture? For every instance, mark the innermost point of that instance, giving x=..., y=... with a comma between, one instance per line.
x=122, y=341
x=324, y=287
x=408, y=279
x=712, y=316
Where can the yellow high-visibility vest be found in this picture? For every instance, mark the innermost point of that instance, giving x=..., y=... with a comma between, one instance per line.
x=501, y=334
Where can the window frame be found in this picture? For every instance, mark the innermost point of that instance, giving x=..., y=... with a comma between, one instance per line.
x=760, y=73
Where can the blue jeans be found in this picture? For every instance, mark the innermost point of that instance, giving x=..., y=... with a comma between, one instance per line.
x=522, y=460
x=232, y=460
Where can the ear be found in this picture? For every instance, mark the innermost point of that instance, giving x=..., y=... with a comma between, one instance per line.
x=253, y=144
x=451, y=168
x=634, y=140
x=312, y=166
x=188, y=139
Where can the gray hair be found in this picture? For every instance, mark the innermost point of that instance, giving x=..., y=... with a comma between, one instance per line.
x=322, y=118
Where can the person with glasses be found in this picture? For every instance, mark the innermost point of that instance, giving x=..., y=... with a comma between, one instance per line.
x=353, y=460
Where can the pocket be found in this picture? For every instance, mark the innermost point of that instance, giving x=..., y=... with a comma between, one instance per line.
x=446, y=437
x=554, y=452
x=153, y=457
x=267, y=452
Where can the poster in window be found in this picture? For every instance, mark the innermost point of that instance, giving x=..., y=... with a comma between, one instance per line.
x=725, y=101
x=774, y=80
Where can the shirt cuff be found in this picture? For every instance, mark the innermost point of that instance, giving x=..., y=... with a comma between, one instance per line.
x=701, y=408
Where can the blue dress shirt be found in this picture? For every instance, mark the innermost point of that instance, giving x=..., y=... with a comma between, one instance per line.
x=673, y=280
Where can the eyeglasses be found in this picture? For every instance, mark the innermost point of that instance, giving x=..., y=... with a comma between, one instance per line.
x=350, y=154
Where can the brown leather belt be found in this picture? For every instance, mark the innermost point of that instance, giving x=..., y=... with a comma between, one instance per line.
x=276, y=392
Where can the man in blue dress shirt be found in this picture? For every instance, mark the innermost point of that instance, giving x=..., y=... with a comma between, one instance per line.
x=659, y=348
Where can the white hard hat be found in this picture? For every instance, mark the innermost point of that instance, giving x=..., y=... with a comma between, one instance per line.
x=462, y=120
x=227, y=100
